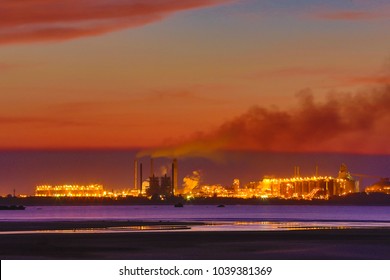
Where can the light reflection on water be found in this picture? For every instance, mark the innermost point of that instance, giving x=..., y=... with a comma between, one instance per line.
x=229, y=218
x=201, y=212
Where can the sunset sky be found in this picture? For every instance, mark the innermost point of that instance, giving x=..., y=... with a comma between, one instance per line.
x=188, y=78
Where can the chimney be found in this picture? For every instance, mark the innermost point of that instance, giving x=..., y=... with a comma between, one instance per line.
x=297, y=171
x=140, y=178
x=174, y=176
x=135, y=174
x=151, y=168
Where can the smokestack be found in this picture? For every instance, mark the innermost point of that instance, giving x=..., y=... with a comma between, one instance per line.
x=135, y=174
x=316, y=170
x=151, y=168
x=140, y=178
x=297, y=171
x=174, y=175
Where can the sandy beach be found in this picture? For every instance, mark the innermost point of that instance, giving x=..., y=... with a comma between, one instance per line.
x=320, y=244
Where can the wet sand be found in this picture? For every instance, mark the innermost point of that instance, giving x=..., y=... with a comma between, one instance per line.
x=84, y=224
x=323, y=244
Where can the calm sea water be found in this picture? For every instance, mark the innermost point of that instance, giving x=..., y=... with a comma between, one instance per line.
x=231, y=217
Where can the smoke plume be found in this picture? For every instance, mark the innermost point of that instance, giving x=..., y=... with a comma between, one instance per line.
x=190, y=182
x=342, y=123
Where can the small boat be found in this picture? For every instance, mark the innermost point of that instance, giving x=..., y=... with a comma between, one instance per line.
x=220, y=206
x=12, y=207
x=179, y=204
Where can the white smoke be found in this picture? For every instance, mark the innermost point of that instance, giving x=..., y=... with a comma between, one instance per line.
x=190, y=182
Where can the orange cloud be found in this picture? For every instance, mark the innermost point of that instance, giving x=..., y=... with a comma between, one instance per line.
x=294, y=72
x=368, y=80
x=342, y=123
x=191, y=95
x=39, y=121
x=44, y=20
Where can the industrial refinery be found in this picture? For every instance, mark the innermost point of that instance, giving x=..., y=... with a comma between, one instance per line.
x=296, y=187
x=70, y=191
x=165, y=186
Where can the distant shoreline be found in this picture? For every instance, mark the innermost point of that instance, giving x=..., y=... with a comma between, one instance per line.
x=363, y=199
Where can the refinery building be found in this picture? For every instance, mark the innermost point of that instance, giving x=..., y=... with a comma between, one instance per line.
x=311, y=187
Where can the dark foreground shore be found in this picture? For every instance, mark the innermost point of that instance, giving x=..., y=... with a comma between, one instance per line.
x=298, y=244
